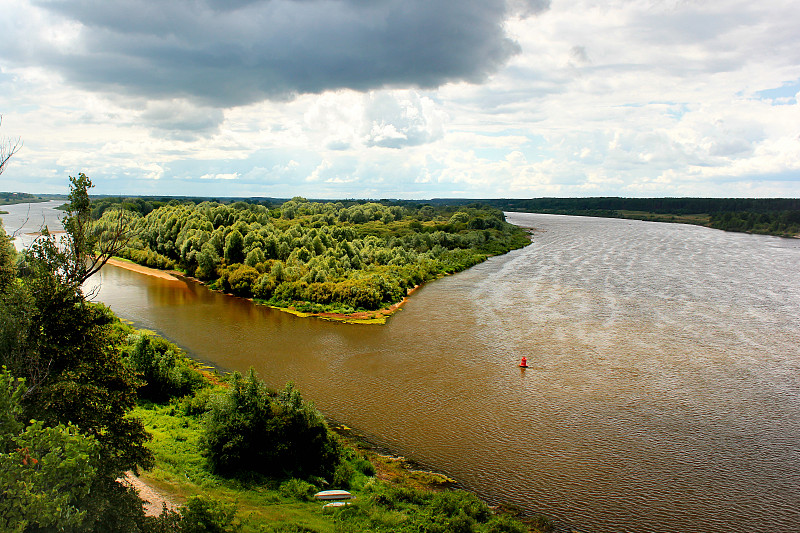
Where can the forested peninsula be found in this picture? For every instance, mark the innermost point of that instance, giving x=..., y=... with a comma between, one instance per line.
x=88, y=403
x=333, y=259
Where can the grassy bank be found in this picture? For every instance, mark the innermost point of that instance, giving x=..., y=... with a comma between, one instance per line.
x=388, y=496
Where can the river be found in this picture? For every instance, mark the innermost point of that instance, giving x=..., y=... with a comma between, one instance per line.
x=663, y=393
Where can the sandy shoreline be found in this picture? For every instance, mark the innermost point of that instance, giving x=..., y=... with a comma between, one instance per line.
x=378, y=316
x=142, y=269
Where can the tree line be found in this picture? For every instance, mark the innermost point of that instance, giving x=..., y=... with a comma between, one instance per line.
x=663, y=206
x=773, y=216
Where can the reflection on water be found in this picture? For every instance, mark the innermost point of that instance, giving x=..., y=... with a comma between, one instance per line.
x=663, y=393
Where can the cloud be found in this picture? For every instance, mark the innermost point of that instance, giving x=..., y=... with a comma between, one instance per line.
x=233, y=53
x=527, y=8
x=181, y=120
x=396, y=122
x=389, y=119
x=228, y=176
x=374, y=98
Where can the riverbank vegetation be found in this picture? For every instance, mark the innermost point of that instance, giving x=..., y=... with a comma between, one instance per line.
x=85, y=398
x=315, y=257
x=388, y=497
x=11, y=198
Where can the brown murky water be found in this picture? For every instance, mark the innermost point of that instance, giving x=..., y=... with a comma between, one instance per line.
x=664, y=392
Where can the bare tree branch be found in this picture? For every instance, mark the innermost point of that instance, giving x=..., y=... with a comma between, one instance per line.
x=8, y=148
x=112, y=233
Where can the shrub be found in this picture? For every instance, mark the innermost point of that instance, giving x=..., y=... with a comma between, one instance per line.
x=450, y=503
x=342, y=475
x=250, y=430
x=298, y=489
x=364, y=466
x=166, y=371
x=204, y=515
x=505, y=524
x=199, y=402
x=239, y=279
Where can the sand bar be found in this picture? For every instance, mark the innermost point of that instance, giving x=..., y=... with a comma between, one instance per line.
x=142, y=269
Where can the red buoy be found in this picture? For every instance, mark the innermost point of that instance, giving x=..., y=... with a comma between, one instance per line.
x=524, y=362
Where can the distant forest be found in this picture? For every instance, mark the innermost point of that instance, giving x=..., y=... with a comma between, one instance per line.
x=773, y=216
x=9, y=198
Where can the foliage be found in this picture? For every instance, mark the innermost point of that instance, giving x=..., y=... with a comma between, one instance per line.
x=785, y=223
x=11, y=390
x=342, y=475
x=298, y=489
x=7, y=259
x=505, y=524
x=87, y=245
x=404, y=509
x=363, y=465
x=76, y=384
x=45, y=472
x=284, y=505
x=199, y=514
x=250, y=429
x=204, y=515
x=319, y=256
x=168, y=521
x=47, y=477
x=166, y=371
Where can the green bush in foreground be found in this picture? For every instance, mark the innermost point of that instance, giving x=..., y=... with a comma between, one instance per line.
x=203, y=515
x=251, y=430
x=297, y=489
x=166, y=372
x=46, y=473
x=198, y=515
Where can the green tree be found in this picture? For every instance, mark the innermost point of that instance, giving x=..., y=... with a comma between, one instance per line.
x=88, y=245
x=250, y=429
x=167, y=373
x=7, y=257
x=234, y=247
x=65, y=349
x=46, y=472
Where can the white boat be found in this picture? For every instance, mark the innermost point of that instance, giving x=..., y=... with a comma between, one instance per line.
x=333, y=495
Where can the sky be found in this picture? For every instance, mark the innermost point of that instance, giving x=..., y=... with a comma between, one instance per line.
x=407, y=99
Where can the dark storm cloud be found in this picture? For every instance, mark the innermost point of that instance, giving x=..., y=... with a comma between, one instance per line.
x=227, y=53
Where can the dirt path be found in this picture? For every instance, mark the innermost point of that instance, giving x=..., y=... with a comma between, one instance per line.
x=154, y=500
